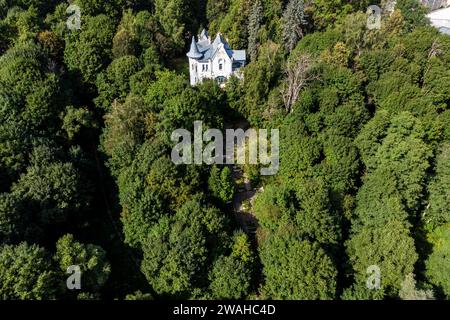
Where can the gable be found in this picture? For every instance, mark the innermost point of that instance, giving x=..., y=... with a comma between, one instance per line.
x=221, y=53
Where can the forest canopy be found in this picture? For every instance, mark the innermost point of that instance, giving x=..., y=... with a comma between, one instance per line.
x=86, y=176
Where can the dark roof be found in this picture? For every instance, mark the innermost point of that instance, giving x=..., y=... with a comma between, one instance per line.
x=194, y=53
x=204, y=50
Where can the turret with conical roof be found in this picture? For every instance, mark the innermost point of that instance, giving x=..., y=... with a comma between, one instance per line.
x=194, y=53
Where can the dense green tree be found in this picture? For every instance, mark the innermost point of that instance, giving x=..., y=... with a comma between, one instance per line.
x=234, y=24
x=306, y=206
x=216, y=8
x=96, y=7
x=261, y=75
x=315, y=217
x=125, y=41
x=50, y=190
x=296, y=269
x=89, y=50
x=141, y=207
x=364, y=130
x=75, y=119
x=371, y=137
x=27, y=273
x=293, y=23
x=414, y=13
x=438, y=211
x=28, y=90
x=393, y=252
x=172, y=16
x=230, y=278
x=325, y=12
x=12, y=223
x=409, y=290
x=255, y=20
x=275, y=206
x=221, y=183
x=397, y=172
x=437, y=264
x=114, y=83
x=176, y=251
x=91, y=259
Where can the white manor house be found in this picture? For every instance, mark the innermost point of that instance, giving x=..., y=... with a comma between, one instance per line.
x=213, y=60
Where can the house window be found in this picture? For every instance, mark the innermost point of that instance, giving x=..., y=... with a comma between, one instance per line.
x=220, y=79
x=204, y=67
x=220, y=64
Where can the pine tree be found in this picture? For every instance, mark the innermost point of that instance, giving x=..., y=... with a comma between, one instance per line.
x=255, y=20
x=293, y=20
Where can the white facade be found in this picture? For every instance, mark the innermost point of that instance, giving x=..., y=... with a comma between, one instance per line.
x=213, y=60
x=440, y=19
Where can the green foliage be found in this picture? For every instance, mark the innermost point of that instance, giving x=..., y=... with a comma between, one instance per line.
x=230, y=278
x=261, y=75
x=438, y=212
x=306, y=206
x=364, y=129
x=409, y=290
x=88, y=51
x=393, y=252
x=325, y=12
x=12, y=223
x=414, y=13
x=255, y=20
x=437, y=264
x=26, y=273
x=396, y=172
x=216, y=8
x=75, y=120
x=293, y=23
x=96, y=7
x=114, y=83
x=125, y=129
x=138, y=295
x=221, y=183
x=140, y=206
x=172, y=16
x=296, y=269
x=235, y=23
x=50, y=190
x=47, y=195
x=91, y=259
x=177, y=249
x=28, y=91
x=361, y=292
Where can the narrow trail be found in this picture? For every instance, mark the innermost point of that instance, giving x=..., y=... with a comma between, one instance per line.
x=113, y=221
x=245, y=194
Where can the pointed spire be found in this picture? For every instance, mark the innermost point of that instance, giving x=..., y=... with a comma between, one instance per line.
x=219, y=39
x=194, y=53
x=204, y=35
